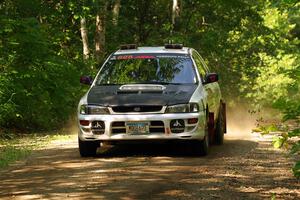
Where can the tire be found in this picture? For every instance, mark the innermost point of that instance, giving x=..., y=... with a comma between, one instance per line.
x=219, y=133
x=88, y=148
x=202, y=147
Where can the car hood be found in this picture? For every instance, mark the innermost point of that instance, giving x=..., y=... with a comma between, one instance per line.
x=112, y=95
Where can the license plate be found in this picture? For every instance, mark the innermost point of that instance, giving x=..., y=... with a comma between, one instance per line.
x=137, y=127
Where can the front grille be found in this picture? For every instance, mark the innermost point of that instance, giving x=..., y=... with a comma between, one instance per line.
x=155, y=127
x=118, y=127
x=125, y=109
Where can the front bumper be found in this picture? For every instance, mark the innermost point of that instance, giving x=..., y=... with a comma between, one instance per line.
x=160, y=131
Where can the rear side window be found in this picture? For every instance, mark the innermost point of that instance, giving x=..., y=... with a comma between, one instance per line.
x=149, y=68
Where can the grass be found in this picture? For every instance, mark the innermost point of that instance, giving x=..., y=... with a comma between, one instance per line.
x=14, y=147
x=10, y=154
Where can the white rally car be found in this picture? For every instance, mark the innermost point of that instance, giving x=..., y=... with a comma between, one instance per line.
x=152, y=94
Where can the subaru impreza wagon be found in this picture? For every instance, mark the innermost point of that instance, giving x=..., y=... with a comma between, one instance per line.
x=152, y=94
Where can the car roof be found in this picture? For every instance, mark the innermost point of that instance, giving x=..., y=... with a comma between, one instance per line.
x=161, y=49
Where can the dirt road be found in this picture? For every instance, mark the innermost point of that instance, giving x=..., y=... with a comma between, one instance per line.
x=245, y=167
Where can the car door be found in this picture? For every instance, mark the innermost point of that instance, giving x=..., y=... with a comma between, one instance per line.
x=212, y=89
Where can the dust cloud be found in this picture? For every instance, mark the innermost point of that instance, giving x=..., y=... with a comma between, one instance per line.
x=240, y=122
x=70, y=127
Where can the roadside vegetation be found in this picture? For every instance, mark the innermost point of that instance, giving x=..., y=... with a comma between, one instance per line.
x=46, y=45
x=15, y=147
x=286, y=136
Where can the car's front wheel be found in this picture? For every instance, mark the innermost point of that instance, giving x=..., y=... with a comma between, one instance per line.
x=202, y=147
x=87, y=148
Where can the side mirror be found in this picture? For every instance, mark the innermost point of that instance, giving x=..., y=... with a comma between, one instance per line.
x=87, y=80
x=211, y=78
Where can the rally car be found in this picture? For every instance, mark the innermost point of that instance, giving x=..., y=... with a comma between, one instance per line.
x=152, y=94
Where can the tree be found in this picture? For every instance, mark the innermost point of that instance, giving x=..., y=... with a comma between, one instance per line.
x=175, y=13
x=116, y=12
x=84, y=36
x=100, y=31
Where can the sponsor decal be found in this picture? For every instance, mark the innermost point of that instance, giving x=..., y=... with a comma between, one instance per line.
x=127, y=57
x=143, y=57
x=172, y=56
x=124, y=57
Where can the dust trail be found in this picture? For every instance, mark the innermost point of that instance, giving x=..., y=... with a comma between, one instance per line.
x=240, y=122
x=70, y=127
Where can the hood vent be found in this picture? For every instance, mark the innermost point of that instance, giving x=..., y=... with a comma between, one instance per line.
x=142, y=87
x=139, y=92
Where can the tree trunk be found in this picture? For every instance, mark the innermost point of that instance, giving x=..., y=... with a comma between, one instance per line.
x=84, y=36
x=143, y=17
x=100, y=32
x=115, y=12
x=175, y=13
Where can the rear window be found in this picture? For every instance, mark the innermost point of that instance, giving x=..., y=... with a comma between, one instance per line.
x=147, y=69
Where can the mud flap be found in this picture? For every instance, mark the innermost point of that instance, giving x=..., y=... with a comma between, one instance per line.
x=224, y=117
x=211, y=126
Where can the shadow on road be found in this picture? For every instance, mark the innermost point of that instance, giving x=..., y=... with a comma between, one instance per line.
x=239, y=169
x=178, y=149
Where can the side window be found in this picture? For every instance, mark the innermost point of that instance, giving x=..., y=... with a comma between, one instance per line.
x=200, y=64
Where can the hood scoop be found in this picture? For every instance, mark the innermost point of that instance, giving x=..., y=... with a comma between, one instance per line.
x=141, y=88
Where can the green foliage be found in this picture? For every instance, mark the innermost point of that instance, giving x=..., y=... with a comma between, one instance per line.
x=39, y=88
x=296, y=169
x=277, y=82
x=294, y=133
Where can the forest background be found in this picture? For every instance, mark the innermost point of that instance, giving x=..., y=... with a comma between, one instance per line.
x=46, y=45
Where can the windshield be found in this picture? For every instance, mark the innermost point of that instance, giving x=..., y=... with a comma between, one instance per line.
x=147, y=69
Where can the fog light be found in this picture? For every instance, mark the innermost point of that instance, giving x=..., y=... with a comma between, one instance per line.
x=177, y=126
x=84, y=122
x=98, y=127
x=193, y=120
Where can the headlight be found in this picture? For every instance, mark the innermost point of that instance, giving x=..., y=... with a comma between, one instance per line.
x=183, y=108
x=93, y=110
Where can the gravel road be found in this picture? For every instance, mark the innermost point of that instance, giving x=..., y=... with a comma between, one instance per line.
x=245, y=167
